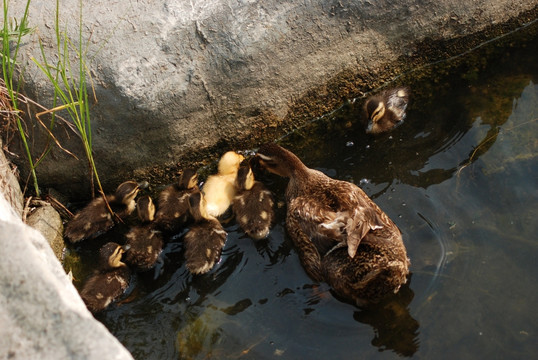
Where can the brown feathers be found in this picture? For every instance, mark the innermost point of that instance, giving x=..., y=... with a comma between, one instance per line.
x=324, y=214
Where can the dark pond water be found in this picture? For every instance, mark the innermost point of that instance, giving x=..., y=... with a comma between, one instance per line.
x=459, y=178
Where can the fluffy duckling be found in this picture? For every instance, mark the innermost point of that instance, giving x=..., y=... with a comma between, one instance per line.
x=109, y=282
x=386, y=110
x=173, y=204
x=144, y=241
x=205, y=239
x=219, y=189
x=95, y=218
x=341, y=235
x=252, y=204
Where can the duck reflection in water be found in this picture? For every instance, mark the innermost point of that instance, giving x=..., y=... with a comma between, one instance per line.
x=394, y=327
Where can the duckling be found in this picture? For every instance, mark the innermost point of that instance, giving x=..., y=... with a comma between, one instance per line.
x=386, y=110
x=342, y=237
x=95, y=218
x=252, y=204
x=219, y=189
x=145, y=242
x=109, y=282
x=205, y=239
x=173, y=204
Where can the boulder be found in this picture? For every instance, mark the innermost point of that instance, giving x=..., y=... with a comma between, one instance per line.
x=41, y=313
x=177, y=81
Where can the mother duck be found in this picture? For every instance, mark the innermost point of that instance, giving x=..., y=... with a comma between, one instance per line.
x=342, y=237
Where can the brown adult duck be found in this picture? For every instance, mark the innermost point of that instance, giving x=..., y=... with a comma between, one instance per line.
x=173, y=203
x=386, y=110
x=205, y=239
x=342, y=237
x=109, y=281
x=252, y=204
x=96, y=218
x=144, y=241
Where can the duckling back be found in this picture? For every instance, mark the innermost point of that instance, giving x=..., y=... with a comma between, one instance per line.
x=205, y=239
x=95, y=218
x=91, y=221
x=252, y=204
x=144, y=241
x=109, y=281
x=203, y=246
x=173, y=204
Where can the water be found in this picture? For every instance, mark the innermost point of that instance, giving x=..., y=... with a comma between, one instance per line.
x=459, y=178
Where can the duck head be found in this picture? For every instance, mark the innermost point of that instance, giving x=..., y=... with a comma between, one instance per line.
x=111, y=253
x=127, y=191
x=375, y=110
x=245, y=176
x=276, y=159
x=188, y=179
x=229, y=162
x=197, y=206
x=145, y=208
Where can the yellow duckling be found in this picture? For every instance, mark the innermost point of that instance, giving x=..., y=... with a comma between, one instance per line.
x=144, y=241
x=386, y=110
x=252, y=204
x=109, y=282
x=205, y=239
x=95, y=218
x=173, y=204
x=219, y=189
x=341, y=235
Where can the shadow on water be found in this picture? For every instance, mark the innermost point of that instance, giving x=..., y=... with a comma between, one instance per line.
x=458, y=178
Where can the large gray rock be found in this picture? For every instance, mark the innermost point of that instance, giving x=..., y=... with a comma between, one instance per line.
x=41, y=313
x=177, y=79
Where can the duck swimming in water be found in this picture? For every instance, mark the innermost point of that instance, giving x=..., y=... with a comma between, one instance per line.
x=173, y=204
x=386, y=110
x=252, y=204
x=109, y=281
x=342, y=237
x=205, y=239
x=95, y=218
x=144, y=241
x=219, y=189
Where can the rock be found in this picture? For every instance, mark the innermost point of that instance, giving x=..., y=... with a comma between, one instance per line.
x=41, y=314
x=9, y=184
x=179, y=79
x=45, y=219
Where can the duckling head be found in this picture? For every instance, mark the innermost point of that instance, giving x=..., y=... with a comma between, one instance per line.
x=197, y=206
x=145, y=208
x=245, y=176
x=127, y=191
x=276, y=159
x=188, y=179
x=229, y=162
x=375, y=110
x=111, y=253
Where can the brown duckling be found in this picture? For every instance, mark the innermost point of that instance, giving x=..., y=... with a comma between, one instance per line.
x=95, y=218
x=252, y=204
x=341, y=235
x=386, y=110
x=205, y=239
x=173, y=204
x=145, y=242
x=219, y=189
x=109, y=282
